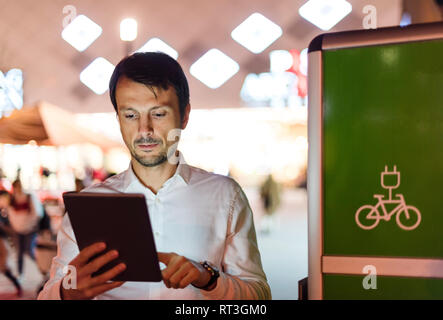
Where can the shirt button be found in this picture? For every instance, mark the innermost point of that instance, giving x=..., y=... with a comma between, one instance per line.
x=157, y=233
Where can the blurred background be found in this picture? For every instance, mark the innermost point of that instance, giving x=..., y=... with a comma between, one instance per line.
x=246, y=63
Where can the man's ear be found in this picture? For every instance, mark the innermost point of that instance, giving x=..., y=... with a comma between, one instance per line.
x=186, y=116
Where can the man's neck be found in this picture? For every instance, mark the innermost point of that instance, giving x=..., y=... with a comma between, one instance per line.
x=153, y=177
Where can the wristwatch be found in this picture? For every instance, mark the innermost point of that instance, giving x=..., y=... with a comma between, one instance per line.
x=213, y=272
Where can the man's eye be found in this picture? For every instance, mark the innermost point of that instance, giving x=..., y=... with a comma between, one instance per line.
x=159, y=114
x=129, y=116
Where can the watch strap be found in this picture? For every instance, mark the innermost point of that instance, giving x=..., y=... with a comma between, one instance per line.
x=212, y=271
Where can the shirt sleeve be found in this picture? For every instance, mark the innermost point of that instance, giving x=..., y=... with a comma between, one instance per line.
x=67, y=250
x=241, y=275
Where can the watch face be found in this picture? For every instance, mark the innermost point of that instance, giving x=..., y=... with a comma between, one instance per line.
x=209, y=266
x=214, y=272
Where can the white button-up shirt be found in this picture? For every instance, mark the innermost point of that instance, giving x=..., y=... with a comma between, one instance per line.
x=196, y=214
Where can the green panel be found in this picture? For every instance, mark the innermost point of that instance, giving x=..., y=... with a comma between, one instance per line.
x=383, y=105
x=350, y=287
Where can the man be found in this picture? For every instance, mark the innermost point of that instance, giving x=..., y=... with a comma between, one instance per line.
x=202, y=222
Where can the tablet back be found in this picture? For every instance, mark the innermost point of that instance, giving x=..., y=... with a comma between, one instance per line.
x=121, y=220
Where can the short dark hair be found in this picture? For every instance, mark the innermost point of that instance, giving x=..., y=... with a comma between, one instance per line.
x=153, y=69
x=4, y=193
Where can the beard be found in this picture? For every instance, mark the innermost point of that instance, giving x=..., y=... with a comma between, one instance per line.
x=153, y=161
x=150, y=162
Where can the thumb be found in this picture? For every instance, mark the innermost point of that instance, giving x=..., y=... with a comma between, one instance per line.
x=164, y=257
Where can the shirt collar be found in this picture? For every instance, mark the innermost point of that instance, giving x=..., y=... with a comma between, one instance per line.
x=182, y=174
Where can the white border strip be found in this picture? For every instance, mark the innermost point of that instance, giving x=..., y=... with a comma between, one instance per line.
x=400, y=267
x=315, y=187
x=383, y=36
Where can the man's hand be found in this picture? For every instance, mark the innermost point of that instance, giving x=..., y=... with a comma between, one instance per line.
x=89, y=287
x=181, y=272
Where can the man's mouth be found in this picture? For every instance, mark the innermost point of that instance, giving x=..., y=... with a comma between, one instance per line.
x=147, y=146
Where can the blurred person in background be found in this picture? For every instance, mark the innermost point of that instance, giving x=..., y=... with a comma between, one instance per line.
x=5, y=231
x=302, y=180
x=270, y=196
x=207, y=218
x=45, y=173
x=24, y=215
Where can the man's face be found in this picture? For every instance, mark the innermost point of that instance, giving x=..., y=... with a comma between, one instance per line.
x=146, y=119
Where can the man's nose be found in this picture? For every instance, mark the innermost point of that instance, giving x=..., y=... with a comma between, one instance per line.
x=145, y=126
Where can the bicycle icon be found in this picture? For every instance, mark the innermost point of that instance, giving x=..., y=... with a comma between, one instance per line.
x=407, y=217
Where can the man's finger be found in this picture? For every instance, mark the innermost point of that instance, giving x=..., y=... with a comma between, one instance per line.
x=87, y=253
x=98, y=262
x=175, y=278
x=188, y=279
x=108, y=275
x=173, y=266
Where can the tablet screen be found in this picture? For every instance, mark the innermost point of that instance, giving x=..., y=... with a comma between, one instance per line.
x=121, y=220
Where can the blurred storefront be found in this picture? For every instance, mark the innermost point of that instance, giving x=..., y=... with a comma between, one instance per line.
x=246, y=143
x=47, y=149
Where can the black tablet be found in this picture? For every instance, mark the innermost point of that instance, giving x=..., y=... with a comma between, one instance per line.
x=121, y=220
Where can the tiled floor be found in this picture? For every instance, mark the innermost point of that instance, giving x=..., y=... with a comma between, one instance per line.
x=31, y=280
x=284, y=249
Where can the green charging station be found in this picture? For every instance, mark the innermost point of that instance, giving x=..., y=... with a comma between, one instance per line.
x=375, y=172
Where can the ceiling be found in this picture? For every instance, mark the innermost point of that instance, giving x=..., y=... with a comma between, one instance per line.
x=30, y=39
